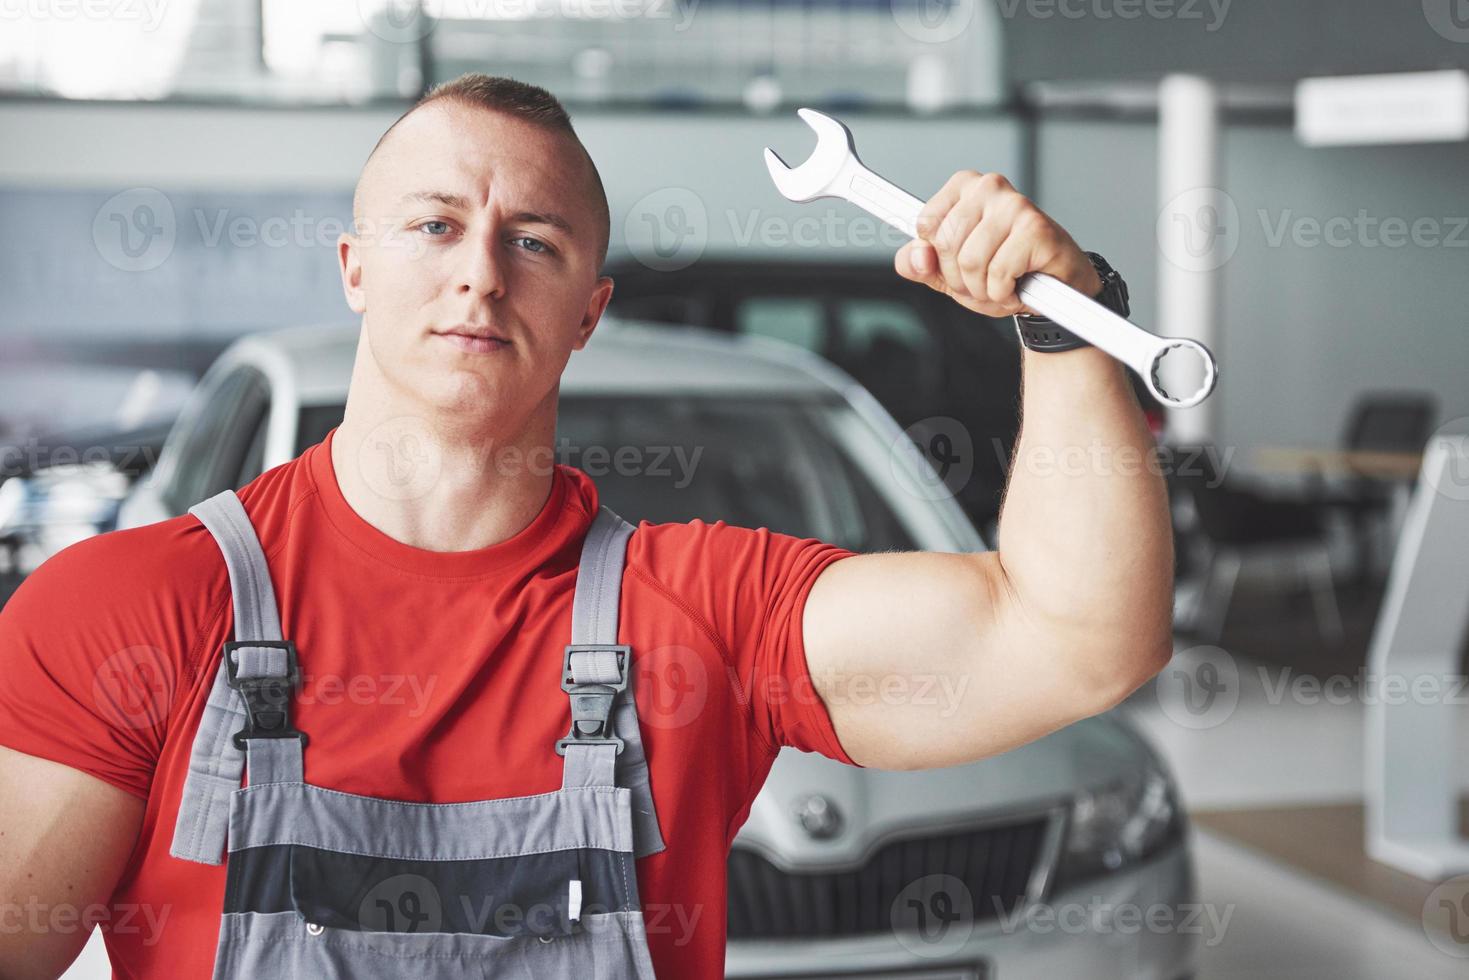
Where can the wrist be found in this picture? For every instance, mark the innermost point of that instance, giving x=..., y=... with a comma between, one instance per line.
x=1106, y=286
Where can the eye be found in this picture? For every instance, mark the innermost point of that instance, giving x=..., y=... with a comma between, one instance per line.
x=534, y=244
x=435, y=228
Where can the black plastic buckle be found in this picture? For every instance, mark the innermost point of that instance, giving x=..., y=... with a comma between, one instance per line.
x=267, y=699
x=591, y=704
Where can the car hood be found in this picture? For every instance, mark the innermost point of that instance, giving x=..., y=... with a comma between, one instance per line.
x=875, y=805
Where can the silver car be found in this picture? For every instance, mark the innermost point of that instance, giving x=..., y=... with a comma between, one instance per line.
x=1065, y=858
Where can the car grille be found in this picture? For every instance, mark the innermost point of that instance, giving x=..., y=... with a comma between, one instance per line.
x=994, y=863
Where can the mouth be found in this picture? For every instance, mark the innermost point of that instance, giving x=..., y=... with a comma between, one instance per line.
x=474, y=339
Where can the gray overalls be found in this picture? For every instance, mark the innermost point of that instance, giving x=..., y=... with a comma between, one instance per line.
x=323, y=884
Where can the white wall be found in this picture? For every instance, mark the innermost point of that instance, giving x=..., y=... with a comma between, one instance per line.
x=1306, y=325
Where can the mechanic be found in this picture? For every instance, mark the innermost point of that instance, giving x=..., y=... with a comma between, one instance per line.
x=421, y=548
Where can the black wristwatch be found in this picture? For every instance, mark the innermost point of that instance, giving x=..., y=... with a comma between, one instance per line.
x=1043, y=334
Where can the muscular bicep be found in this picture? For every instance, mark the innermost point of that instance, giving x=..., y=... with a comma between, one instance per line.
x=926, y=659
x=67, y=837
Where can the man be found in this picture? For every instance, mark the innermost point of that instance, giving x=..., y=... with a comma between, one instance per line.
x=424, y=566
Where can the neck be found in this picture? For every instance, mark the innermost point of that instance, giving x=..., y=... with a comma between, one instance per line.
x=425, y=479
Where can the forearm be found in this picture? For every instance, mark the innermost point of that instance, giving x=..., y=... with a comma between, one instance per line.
x=1085, y=537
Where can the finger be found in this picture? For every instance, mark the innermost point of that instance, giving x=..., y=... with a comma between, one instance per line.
x=1013, y=259
x=916, y=261
x=973, y=259
x=990, y=199
x=931, y=215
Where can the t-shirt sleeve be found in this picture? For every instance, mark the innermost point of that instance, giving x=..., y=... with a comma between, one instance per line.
x=96, y=647
x=752, y=585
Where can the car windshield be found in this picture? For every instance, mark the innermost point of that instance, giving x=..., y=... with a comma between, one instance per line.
x=781, y=464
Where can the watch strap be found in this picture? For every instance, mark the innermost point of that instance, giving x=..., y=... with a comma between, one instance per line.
x=1040, y=333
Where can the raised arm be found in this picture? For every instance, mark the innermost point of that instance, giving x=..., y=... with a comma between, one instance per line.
x=927, y=659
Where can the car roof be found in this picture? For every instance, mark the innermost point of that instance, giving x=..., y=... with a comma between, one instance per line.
x=622, y=357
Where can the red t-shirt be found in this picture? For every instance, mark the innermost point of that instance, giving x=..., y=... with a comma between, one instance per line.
x=424, y=678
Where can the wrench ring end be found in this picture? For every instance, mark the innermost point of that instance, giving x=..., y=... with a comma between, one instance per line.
x=1206, y=386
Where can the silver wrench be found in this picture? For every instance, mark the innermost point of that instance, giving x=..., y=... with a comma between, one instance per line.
x=833, y=170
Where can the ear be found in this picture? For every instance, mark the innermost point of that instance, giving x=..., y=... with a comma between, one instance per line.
x=349, y=262
x=596, y=306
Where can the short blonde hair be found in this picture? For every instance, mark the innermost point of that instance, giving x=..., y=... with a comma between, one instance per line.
x=522, y=100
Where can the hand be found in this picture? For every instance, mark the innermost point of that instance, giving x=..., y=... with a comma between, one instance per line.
x=978, y=235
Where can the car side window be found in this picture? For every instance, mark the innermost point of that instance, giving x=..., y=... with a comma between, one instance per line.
x=254, y=463
x=885, y=345
x=796, y=320
x=212, y=456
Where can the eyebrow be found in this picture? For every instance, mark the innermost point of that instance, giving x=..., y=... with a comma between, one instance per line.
x=460, y=201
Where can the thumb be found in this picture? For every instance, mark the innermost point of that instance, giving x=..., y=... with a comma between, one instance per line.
x=917, y=261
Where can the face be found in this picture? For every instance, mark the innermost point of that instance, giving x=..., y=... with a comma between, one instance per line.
x=474, y=265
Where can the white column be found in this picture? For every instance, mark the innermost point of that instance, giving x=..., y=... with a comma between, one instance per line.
x=1197, y=231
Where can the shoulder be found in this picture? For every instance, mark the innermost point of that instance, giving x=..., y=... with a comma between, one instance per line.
x=729, y=572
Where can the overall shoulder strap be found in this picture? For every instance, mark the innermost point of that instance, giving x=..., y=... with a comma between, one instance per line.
x=605, y=745
x=216, y=763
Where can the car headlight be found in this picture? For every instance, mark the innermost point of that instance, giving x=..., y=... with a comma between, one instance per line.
x=1120, y=823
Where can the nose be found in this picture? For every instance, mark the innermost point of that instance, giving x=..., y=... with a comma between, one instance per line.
x=482, y=273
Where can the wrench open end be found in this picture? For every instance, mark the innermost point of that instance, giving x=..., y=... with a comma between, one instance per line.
x=815, y=177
